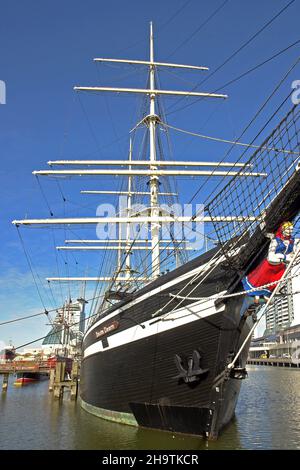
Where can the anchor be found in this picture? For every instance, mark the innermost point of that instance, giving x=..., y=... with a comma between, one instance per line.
x=239, y=373
x=190, y=369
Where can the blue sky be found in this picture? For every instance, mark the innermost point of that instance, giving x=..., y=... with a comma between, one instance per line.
x=47, y=47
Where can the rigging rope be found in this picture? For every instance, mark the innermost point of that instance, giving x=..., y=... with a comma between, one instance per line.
x=236, y=52
x=247, y=127
x=57, y=331
x=211, y=16
x=42, y=313
x=31, y=269
x=209, y=265
x=36, y=314
x=264, y=308
x=234, y=198
x=236, y=294
x=44, y=196
x=286, y=7
x=226, y=141
x=259, y=197
x=235, y=79
x=90, y=125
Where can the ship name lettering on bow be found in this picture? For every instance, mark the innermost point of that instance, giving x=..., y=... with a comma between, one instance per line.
x=107, y=329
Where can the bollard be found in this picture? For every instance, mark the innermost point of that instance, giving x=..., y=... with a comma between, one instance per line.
x=74, y=390
x=51, y=380
x=58, y=391
x=58, y=382
x=5, y=382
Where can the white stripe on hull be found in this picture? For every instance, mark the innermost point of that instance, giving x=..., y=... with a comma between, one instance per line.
x=151, y=293
x=182, y=316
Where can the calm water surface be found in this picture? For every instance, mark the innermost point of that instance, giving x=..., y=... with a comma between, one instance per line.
x=267, y=417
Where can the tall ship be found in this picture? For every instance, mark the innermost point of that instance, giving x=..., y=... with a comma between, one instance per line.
x=167, y=348
x=67, y=329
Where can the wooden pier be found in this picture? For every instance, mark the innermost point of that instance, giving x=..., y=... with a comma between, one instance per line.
x=58, y=383
x=276, y=362
x=59, y=378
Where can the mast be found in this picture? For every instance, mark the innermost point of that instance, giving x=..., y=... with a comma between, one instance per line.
x=151, y=168
x=154, y=180
x=129, y=200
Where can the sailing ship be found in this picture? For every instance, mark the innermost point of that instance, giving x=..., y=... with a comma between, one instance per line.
x=168, y=350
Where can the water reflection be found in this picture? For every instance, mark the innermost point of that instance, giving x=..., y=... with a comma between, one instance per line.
x=267, y=417
x=268, y=413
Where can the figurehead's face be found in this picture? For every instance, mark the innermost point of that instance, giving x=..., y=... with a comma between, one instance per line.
x=287, y=229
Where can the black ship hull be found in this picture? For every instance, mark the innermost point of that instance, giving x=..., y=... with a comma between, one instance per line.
x=169, y=371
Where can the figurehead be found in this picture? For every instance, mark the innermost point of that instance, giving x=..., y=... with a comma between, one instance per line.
x=285, y=231
x=261, y=282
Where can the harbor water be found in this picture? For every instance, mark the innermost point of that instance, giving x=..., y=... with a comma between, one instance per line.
x=267, y=417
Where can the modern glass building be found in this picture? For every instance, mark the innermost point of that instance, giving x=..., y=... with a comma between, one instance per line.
x=67, y=328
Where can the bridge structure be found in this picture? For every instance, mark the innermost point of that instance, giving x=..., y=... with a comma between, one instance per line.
x=39, y=366
x=63, y=374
